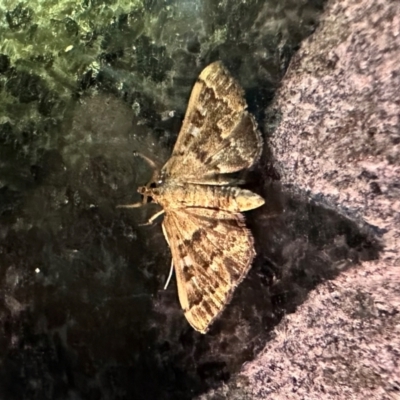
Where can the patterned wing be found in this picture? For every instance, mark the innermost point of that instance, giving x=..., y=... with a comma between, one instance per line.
x=218, y=135
x=212, y=251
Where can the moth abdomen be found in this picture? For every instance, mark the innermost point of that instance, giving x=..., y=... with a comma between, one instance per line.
x=226, y=198
x=247, y=200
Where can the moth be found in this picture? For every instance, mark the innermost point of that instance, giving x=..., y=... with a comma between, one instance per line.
x=212, y=250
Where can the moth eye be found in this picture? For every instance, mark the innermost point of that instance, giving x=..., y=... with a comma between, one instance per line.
x=153, y=185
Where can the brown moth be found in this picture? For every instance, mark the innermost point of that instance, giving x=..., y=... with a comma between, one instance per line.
x=212, y=250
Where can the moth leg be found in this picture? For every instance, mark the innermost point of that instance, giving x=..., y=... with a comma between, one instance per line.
x=169, y=275
x=134, y=205
x=172, y=261
x=151, y=220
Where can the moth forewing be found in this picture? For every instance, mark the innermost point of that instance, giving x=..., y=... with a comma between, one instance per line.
x=218, y=135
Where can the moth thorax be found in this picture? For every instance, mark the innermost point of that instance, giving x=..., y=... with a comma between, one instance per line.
x=148, y=191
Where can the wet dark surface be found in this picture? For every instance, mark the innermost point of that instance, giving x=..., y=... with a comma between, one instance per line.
x=83, y=313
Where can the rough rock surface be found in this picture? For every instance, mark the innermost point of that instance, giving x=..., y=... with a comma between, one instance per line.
x=334, y=132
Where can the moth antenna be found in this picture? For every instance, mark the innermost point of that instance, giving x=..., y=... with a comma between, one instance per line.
x=155, y=166
x=170, y=275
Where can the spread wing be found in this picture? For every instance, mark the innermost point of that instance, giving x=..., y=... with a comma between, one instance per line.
x=212, y=251
x=218, y=135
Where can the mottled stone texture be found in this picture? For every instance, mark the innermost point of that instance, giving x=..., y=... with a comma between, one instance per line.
x=335, y=135
x=339, y=129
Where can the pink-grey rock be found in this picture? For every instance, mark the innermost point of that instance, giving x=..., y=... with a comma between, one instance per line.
x=334, y=134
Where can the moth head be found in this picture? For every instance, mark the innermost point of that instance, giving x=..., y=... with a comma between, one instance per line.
x=150, y=191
